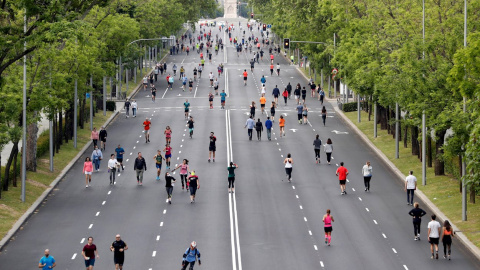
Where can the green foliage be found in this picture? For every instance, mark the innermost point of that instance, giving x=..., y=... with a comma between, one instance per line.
x=111, y=105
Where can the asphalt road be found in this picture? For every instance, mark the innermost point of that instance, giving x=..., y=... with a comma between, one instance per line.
x=267, y=223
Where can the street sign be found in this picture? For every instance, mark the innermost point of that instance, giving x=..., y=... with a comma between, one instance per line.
x=87, y=95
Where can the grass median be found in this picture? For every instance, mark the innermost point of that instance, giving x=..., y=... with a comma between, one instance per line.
x=442, y=190
x=11, y=206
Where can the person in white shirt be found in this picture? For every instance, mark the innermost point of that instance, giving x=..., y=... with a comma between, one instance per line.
x=112, y=168
x=134, y=108
x=410, y=186
x=434, y=235
x=367, y=175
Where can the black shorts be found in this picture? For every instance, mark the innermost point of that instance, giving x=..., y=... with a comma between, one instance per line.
x=212, y=148
x=120, y=160
x=262, y=105
x=272, y=113
x=244, y=78
x=343, y=182
x=118, y=260
x=193, y=190
x=104, y=139
x=327, y=229
x=434, y=240
x=299, y=116
x=187, y=110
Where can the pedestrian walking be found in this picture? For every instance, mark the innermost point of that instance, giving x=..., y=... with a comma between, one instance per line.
x=434, y=228
x=299, y=113
x=447, y=236
x=231, y=177
x=47, y=261
x=321, y=95
x=90, y=253
x=190, y=124
x=328, y=149
x=272, y=111
x=324, y=115
x=278, y=69
x=250, y=124
x=94, y=137
x=252, y=109
x=259, y=129
x=158, y=163
x=184, y=170
x=134, y=108
x=410, y=187
x=417, y=213
x=146, y=127
x=268, y=126
x=126, y=106
x=342, y=173
x=118, y=248
x=210, y=99
x=317, y=146
x=194, y=184
x=120, y=151
x=281, y=124
x=327, y=227
x=186, y=104
x=367, y=175
x=87, y=170
x=190, y=256
x=112, y=168
x=304, y=94
x=140, y=166
x=288, y=167
x=102, y=135
x=169, y=183
x=212, y=147
x=97, y=157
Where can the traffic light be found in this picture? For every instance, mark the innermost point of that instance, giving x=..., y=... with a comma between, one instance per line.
x=251, y=15
x=286, y=43
x=264, y=27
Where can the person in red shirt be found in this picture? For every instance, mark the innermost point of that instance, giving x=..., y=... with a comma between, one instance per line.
x=342, y=173
x=89, y=253
x=245, y=75
x=146, y=125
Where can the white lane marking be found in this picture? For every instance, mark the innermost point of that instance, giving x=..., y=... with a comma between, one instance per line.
x=137, y=141
x=127, y=160
x=109, y=192
x=360, y=198
x=293, y=187
x=183, y=135
x=154, y=253
x=315, y=247
x=236, y=230
x=353, y=189
x=164, y=211
x=374, y=221
x=103, y=203
x=384, y=236
x=161, y=224
x=195, y=94
x=279, y=149
x=394, y=251
x=91, y=225
x=332, y=158
x=310, y=232
x=232, y=234
x=134, y=147
x=119, y=174
x=181, y=145
x=83, y=240
x=178, y=158
x=158, y=237
x=348, y=181
x=321, y=264
x=404, y=266
x=183, y=140
x=180, y=151
x=305, y=218
x=143, y=132
x=296, y=196
x=367, y=209
x=164, y=93
x=131, y=153
x=278, y=143
x=98, y=213
x=74, y=256
x=301, y=207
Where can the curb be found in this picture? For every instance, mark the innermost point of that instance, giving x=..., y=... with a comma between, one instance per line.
x=459, y=235
x=52, y=185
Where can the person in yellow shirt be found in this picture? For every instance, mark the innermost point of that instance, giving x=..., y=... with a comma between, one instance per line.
x=263, y=100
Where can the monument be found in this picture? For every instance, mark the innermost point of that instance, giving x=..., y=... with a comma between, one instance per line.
x=230, y=9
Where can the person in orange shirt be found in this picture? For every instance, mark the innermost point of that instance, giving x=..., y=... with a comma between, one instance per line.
x=263, y=100
x=271, y=69
x=281, y=124
x=245, y=75
x=146, y=125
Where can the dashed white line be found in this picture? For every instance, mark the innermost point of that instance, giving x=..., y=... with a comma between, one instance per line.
x=138, y=141
x=315, y=247
x=374, y=221
x=296, y=196
x=131, y=153
x=83, y=240
x=305, y=218
x=91, y=225
x=134, y=147
x=310, y=232
x=394, y=251
x=109, y=192
x=321, y=264
x=353, y=189
x=127, y=160
x=384, y=236
x=119, y=174
x=281, y=156
x=293, y=187
x=404, y=266
x=181, y=145
x=158, y=237
x=301, y=207
x=103, y=203
x=360, y=198
x=98, y=213
x=180, y=151
x=74, y=256
x=161, y=224
x=367, y=209
x=279, y=149
x=154, y=253
x=348, y=181
x=164, y=211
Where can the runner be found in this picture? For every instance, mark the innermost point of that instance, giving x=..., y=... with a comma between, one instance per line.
x=263, y=89
x=250, y=124
x=118, y=248
x=447, y=236
x=158, y=163
x=259, y=129
x=186, y=104
x=305, y=114
x=317, y=145
x=154, y=92
x=410, y=187
x=328, y=149
x=195, y=74
x=263, y=100
x=327, y=221
x=268, y=126
x=417, y=213
x=434, y=228
x=289, y=90
x=146, y=125
x=245, y=75
x=285, y=95
x=342, y=173
x=297, y=93
x=194, y=184
x=281, y=124
x=134, y=108
x=126, y=106
x=140, y=166
x=103, y=138
x=263, y=80
x=252, y=109
x=168, y=154
x=145, y=82
x=324, y=115
x=304, y=94
x=276, y=93
x=278, y=69
x=184, y=82
x=119, y=150
x=94, y=137
x=313, y=87
x=47, y=262
x=367, y=175
x=190, y=256
x=210, y=99
x=271, y=69
x=212, y=147
x=184, y=170
x=112, y=168
x=272, y=111
x=299, y=113
x=223, y=96
x=168, y=135
x=87, y=170
x=89, y=253
x=190, y=85
x=231, y=177
x=97, y=157
x=190, y=126
x=288, y=167
x=210, y=76
x=169, y=183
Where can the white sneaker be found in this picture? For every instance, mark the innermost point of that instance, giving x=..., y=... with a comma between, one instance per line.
x=86, y=186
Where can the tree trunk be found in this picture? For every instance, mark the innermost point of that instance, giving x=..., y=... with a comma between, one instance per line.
x=460, y=159
x=0, y=175
x=439, y=163
x=32, y=131
x=405, y=141
x=8, y=165
x=82, y=114
x=415, y=143
x=382, y=117
x=420, y=151
x=429, y=151
x=472, y=193
x=388, y=118
x=14, y=182
x=55, y=127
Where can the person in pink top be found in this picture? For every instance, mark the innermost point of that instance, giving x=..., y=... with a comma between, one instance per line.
x=87, y=170
x=327, y=220
x=168, y=134
x=94, y=137
x=184, y=170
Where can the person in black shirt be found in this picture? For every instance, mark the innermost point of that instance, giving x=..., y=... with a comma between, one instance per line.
x=118, y=248
x=212, y=147
x=139, y=166
x=259, y=129
x=304, y=94
x=103, y=138
x=417, y=213
x=169, y=180
x=289, y=90
x=191, y=126
x=126, y=106
x=194, y=185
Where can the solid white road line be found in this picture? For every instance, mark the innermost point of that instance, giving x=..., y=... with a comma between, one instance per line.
x=165, y=92
x=232, y=237
x=236, y=233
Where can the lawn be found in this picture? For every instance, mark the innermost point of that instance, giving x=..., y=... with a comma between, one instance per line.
x=443, y=191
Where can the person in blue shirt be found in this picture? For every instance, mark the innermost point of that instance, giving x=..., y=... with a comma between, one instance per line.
x=263, y=80
x=190, y=256
x=187, y=108
x=268, y=126
x=223, y=95
x=48, y=262
x=250, y=124
x=119, y=150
